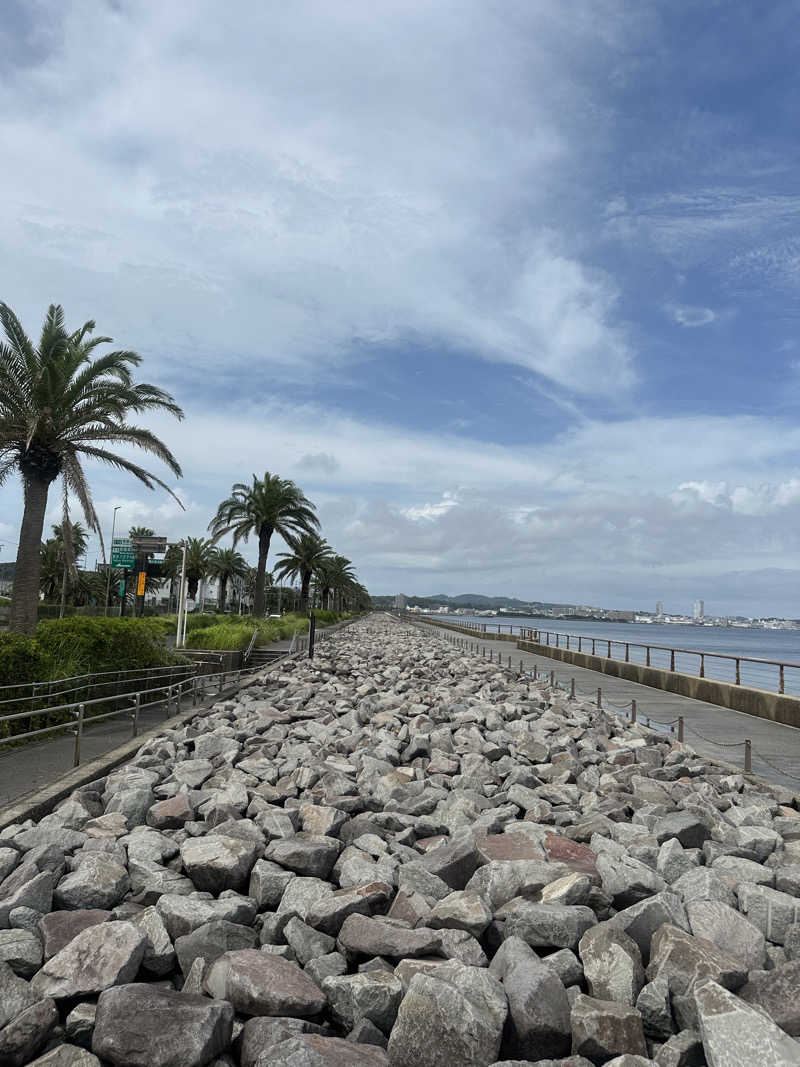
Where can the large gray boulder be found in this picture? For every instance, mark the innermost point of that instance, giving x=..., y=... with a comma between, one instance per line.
x=100, y=956
x=602, y=1029
x=457, y=1021
x=612, y=964
x=216, y=861
x=373, y=995
x=99, y=882
x=538, y=1022
x=729, y=930
x=776, y=992
x=737, y=1035
x=259, y=983
x=142, y=1025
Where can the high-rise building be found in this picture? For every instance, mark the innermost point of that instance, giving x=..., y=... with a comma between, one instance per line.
x=400, y=602
x=699, y=609
x=660, y=607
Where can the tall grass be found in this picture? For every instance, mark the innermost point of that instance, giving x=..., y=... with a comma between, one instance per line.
x=228, y=635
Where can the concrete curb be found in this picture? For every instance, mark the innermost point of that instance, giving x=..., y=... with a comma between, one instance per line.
x=43, y=801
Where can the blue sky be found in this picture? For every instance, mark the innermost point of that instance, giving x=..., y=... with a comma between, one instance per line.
x=511, y=289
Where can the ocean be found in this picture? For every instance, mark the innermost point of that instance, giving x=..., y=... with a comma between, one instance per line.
x=779, y=645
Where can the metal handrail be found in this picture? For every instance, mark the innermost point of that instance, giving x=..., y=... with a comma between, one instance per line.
x=94, y=674
x=46, y=690
x=173, y=691
x=534, y=633
x=248, y=651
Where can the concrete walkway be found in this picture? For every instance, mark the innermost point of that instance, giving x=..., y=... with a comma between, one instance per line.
x=775, y=748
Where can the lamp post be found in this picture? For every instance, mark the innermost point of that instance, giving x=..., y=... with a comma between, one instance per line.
x=108, y=577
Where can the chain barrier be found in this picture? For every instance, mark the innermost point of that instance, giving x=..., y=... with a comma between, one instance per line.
x=711, y=741
x=787, y=774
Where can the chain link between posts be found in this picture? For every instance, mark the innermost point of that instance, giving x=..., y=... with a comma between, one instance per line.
x=606, y=705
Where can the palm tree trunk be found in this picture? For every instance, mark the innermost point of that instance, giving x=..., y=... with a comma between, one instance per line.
x=223, y=582
x=264, y=537
x=25, y=594
x=63, y=607
x=305, y=582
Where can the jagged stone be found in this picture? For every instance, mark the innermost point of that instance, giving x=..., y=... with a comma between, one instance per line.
x=100, y=956
x=257, y=983
x=737, y=1035
x=141, y=1025
x=612, y=964
x=602, y=1029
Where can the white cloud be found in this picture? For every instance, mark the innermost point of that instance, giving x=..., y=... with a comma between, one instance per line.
x=693, y=316
x=279, y=187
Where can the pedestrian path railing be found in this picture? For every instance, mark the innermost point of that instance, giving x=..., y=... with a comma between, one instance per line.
x=147, y=691
x=677, y=727
x=779, y=676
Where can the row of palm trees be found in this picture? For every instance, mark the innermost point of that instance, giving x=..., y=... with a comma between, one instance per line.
x=61, y=402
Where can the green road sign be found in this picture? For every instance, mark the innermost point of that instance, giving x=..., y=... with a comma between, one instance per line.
x=122, y=552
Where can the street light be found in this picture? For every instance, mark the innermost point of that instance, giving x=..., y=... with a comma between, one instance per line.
x=108, y=579
x=180, y=636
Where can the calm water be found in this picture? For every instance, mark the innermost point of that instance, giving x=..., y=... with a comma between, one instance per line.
x=780, y=645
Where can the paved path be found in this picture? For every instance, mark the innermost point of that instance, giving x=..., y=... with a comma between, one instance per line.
x=772, y=742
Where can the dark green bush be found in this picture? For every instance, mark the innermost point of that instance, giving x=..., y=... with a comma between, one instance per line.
x=77, y=645
x=21, y=660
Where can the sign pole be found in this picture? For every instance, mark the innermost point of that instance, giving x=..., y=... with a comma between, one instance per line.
x=181, y=600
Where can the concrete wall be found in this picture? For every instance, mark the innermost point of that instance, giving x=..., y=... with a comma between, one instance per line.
x=758, y=702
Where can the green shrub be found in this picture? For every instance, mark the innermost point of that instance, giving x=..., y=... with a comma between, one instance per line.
x=77, y=645
x=21, y=660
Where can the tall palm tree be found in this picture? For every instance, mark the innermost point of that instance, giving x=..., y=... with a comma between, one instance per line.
x=173, y=560
x=59, y=405
x=141, y=531
x=270, y=505
x=338, y=577
x=309, y=553
x=226, y=563
x=72, y=540
x=199, y=553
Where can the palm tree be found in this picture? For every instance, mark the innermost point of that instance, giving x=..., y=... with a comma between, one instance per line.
x=270, y=505
x=199, y=553
x=58, y=406
x=72, y=539
x=226, y=563
x=309, y=553
x=141, y=531
x=338, y=577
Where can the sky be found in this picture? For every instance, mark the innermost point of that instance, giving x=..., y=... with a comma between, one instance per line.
x=508, y=287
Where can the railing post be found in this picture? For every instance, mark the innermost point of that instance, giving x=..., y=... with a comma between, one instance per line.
x=568, y=642
x=169, y=702
x=748, y=755
x=535, y=673
x=593, y=642
x=647, y=657
x=633, y=711
x=78, y=736
x=702, y=664
x=572, y=689
x=781, y=680
x=520, y=667
x=552, y=678
x=738, y=672
x=178, y=698
x=580, y=643
x=136, y=705
x=680, y=728
x=194, y=691
x=599, y=697
x=672, y=659
x=627, y=652
x=609, y=649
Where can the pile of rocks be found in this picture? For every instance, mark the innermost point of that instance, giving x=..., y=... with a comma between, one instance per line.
x=399, y=854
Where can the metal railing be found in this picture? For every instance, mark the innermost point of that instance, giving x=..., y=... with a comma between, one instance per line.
x=776, y=675
x=168, y=694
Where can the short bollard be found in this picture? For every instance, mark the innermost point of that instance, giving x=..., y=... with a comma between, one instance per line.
x=169, y=702
x=552, y=678
x=136, y=705
x=748, y=755
x=633, y=711
x=599, y=698
x=680, y=728
x=78, y=735
x=194, y=691
x=572, y=689
x=535, y=672
x=178, y=699
x=509, y=662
